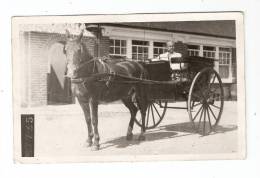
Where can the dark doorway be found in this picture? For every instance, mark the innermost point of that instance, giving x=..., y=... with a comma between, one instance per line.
x=59, y=86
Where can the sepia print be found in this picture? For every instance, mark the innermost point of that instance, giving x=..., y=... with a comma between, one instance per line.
x=130, y=87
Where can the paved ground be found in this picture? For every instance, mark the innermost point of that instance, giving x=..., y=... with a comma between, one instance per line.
x=61, y=131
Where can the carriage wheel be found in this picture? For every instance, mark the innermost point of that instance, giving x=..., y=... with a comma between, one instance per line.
x=205, y=101
x=154, y=114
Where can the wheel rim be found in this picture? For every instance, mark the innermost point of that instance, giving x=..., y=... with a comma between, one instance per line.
x=154, y=114
x=206, y=101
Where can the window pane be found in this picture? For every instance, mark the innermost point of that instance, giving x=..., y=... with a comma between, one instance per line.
x=220, y=55
x=145, y=50
x=111, y=42
x=137, y=42
x=209, y=48
x=117, y=42
x=123, y=43
x=123, y=50
x=159, y=44
x=140, y=56
x=111, y=50
x=134, y=49
x=140, y=49
x=224, y=71
x=228, y=55
x=225, y=49
x=193, y=47
x=134, y=56
x=117, y=50
x=155, y=50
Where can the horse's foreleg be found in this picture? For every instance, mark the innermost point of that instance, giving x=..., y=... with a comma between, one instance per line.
x=133, y=110
x=86, y=110
x=94, y=116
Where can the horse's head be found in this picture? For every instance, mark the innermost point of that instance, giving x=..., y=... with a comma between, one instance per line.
x=75, y=54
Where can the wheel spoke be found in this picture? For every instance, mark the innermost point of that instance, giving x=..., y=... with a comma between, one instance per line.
x=212, y=81
x=152, y=115
x=148, y=113
x=200, y=118
x=156, y=111
x=209, y=119
x=212, y=113
x=194, y=105
x=204, y=122
x=215, y=106
x=197, y=113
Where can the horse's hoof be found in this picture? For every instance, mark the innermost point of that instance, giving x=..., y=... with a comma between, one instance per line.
x=89, y=143
x=141, y=138
x=95, y=148
x=129, y=137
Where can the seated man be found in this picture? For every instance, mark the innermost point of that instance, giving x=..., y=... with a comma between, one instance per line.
x=170, y=54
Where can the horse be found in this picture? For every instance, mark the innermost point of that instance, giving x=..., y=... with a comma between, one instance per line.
x=91, y=93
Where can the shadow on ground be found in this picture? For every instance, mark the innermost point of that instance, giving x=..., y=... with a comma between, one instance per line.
x=165, y=132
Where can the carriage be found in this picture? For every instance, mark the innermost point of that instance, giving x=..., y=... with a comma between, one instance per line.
x=198, y=85
x=148, y=86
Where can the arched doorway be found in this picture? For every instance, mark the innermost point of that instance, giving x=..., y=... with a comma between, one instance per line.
x=59, y=86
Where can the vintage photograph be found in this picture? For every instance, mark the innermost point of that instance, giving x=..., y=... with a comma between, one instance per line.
x=129, y=87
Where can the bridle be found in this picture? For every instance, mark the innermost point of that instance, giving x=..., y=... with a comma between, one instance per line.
x=86, y=63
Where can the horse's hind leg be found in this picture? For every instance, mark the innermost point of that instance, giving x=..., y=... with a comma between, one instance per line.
x=86, y=110
x=133, y=110
x=143, y=108
x=142, y=103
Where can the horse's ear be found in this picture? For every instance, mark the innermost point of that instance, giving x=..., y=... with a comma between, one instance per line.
x=67, y=34
x=80, y=35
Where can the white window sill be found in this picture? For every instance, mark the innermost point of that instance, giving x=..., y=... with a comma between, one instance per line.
x=227, y=80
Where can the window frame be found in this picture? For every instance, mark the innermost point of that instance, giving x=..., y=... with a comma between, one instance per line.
x=138, y=46
x=228, y=62
x=192, y=51
x=163, y=48
x=114, y=46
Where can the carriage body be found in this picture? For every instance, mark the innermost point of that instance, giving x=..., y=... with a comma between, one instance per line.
x=198, y=84
x=175, y=84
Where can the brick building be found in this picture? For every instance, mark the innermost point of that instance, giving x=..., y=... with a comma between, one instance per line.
x=43, y=61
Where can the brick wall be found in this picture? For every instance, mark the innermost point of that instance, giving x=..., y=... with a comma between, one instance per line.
x=38, y=68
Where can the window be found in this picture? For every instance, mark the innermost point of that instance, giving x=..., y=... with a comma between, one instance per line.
x=209, y=51
x=117, y=47
x=225, y=56
x=140, y=50
x=159, y=48
x=193, y=50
